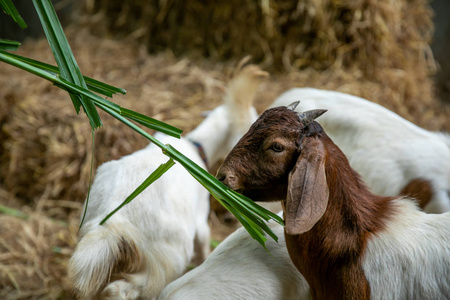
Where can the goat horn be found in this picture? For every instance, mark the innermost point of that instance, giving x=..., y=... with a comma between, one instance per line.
x=293, y=105
x=308, y=116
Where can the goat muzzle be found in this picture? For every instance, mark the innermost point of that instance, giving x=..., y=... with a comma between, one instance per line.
x=228, y=179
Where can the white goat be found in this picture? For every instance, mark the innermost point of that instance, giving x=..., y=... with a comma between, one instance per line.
x=347, y=242
x=394, y=156
x=239, y=268
x=149, y=242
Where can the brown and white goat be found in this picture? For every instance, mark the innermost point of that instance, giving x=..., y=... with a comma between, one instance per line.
x=347, y=242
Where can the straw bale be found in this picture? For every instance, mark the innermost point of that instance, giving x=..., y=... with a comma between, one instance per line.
x=286, y=33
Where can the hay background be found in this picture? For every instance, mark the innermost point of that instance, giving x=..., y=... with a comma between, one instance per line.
x=45, y=147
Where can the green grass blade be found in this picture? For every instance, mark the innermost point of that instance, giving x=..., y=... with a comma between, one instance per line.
x=92, y=84
x=108, y=105
x=251, y=217
x=152, y=178
x=9, y=8
x=103, y=88
x=254, y=206
x=253, y=230
x=151, y=123
x=90, y=179
x=9, y=45
x=9, y=59
x=64, y=58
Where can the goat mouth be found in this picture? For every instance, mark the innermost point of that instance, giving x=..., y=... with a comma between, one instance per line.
x=265, y=195
x=239, y=190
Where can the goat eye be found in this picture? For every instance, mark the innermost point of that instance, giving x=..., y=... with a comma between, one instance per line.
x=277, y=147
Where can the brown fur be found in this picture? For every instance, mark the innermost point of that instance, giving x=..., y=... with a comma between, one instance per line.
x=420, y=189
x=128, y=261
x=329, y=255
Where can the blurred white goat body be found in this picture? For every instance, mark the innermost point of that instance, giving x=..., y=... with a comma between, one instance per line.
x=151, y=238
x=414, y=251
x=388, y=151
x=239, y=268
x=150, y=241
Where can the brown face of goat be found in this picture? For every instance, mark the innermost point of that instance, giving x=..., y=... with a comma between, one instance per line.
x=269, y=164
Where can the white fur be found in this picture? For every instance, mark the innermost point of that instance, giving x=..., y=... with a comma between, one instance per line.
x=384, y=148
x=239, y=268
x=162, y=222
x=411, y=258
x=166, y=220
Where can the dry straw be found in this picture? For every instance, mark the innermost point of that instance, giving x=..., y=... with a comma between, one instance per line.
x=365, y=34
x=374, y=49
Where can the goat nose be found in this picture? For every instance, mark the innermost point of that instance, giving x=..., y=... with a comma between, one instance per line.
x=221, y=176
x=227, y=179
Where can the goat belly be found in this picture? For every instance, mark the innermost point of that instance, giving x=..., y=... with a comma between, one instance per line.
x=410, y=259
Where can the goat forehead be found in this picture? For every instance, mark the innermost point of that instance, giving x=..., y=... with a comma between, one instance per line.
x=279, y=115
x=278, y=120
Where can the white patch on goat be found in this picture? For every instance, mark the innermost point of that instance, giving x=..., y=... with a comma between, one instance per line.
x=239, y=268
x=410, y=259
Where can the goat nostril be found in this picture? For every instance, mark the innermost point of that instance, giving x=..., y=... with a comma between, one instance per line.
x=221, y=177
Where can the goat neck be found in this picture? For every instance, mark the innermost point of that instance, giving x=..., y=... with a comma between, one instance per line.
x=330, y=254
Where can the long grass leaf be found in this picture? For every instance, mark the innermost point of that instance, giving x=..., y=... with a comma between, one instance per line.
x=251, y=217
x=151, y=123
x=9, y=8
x=254, y=206
x=254, y=231
x=90, y=179
x=64, y=58
x=9, y=45
x=152, y=178
x=92, y=84
x=9, y=59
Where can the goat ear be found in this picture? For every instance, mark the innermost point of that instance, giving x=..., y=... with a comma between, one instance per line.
x=307, y=196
